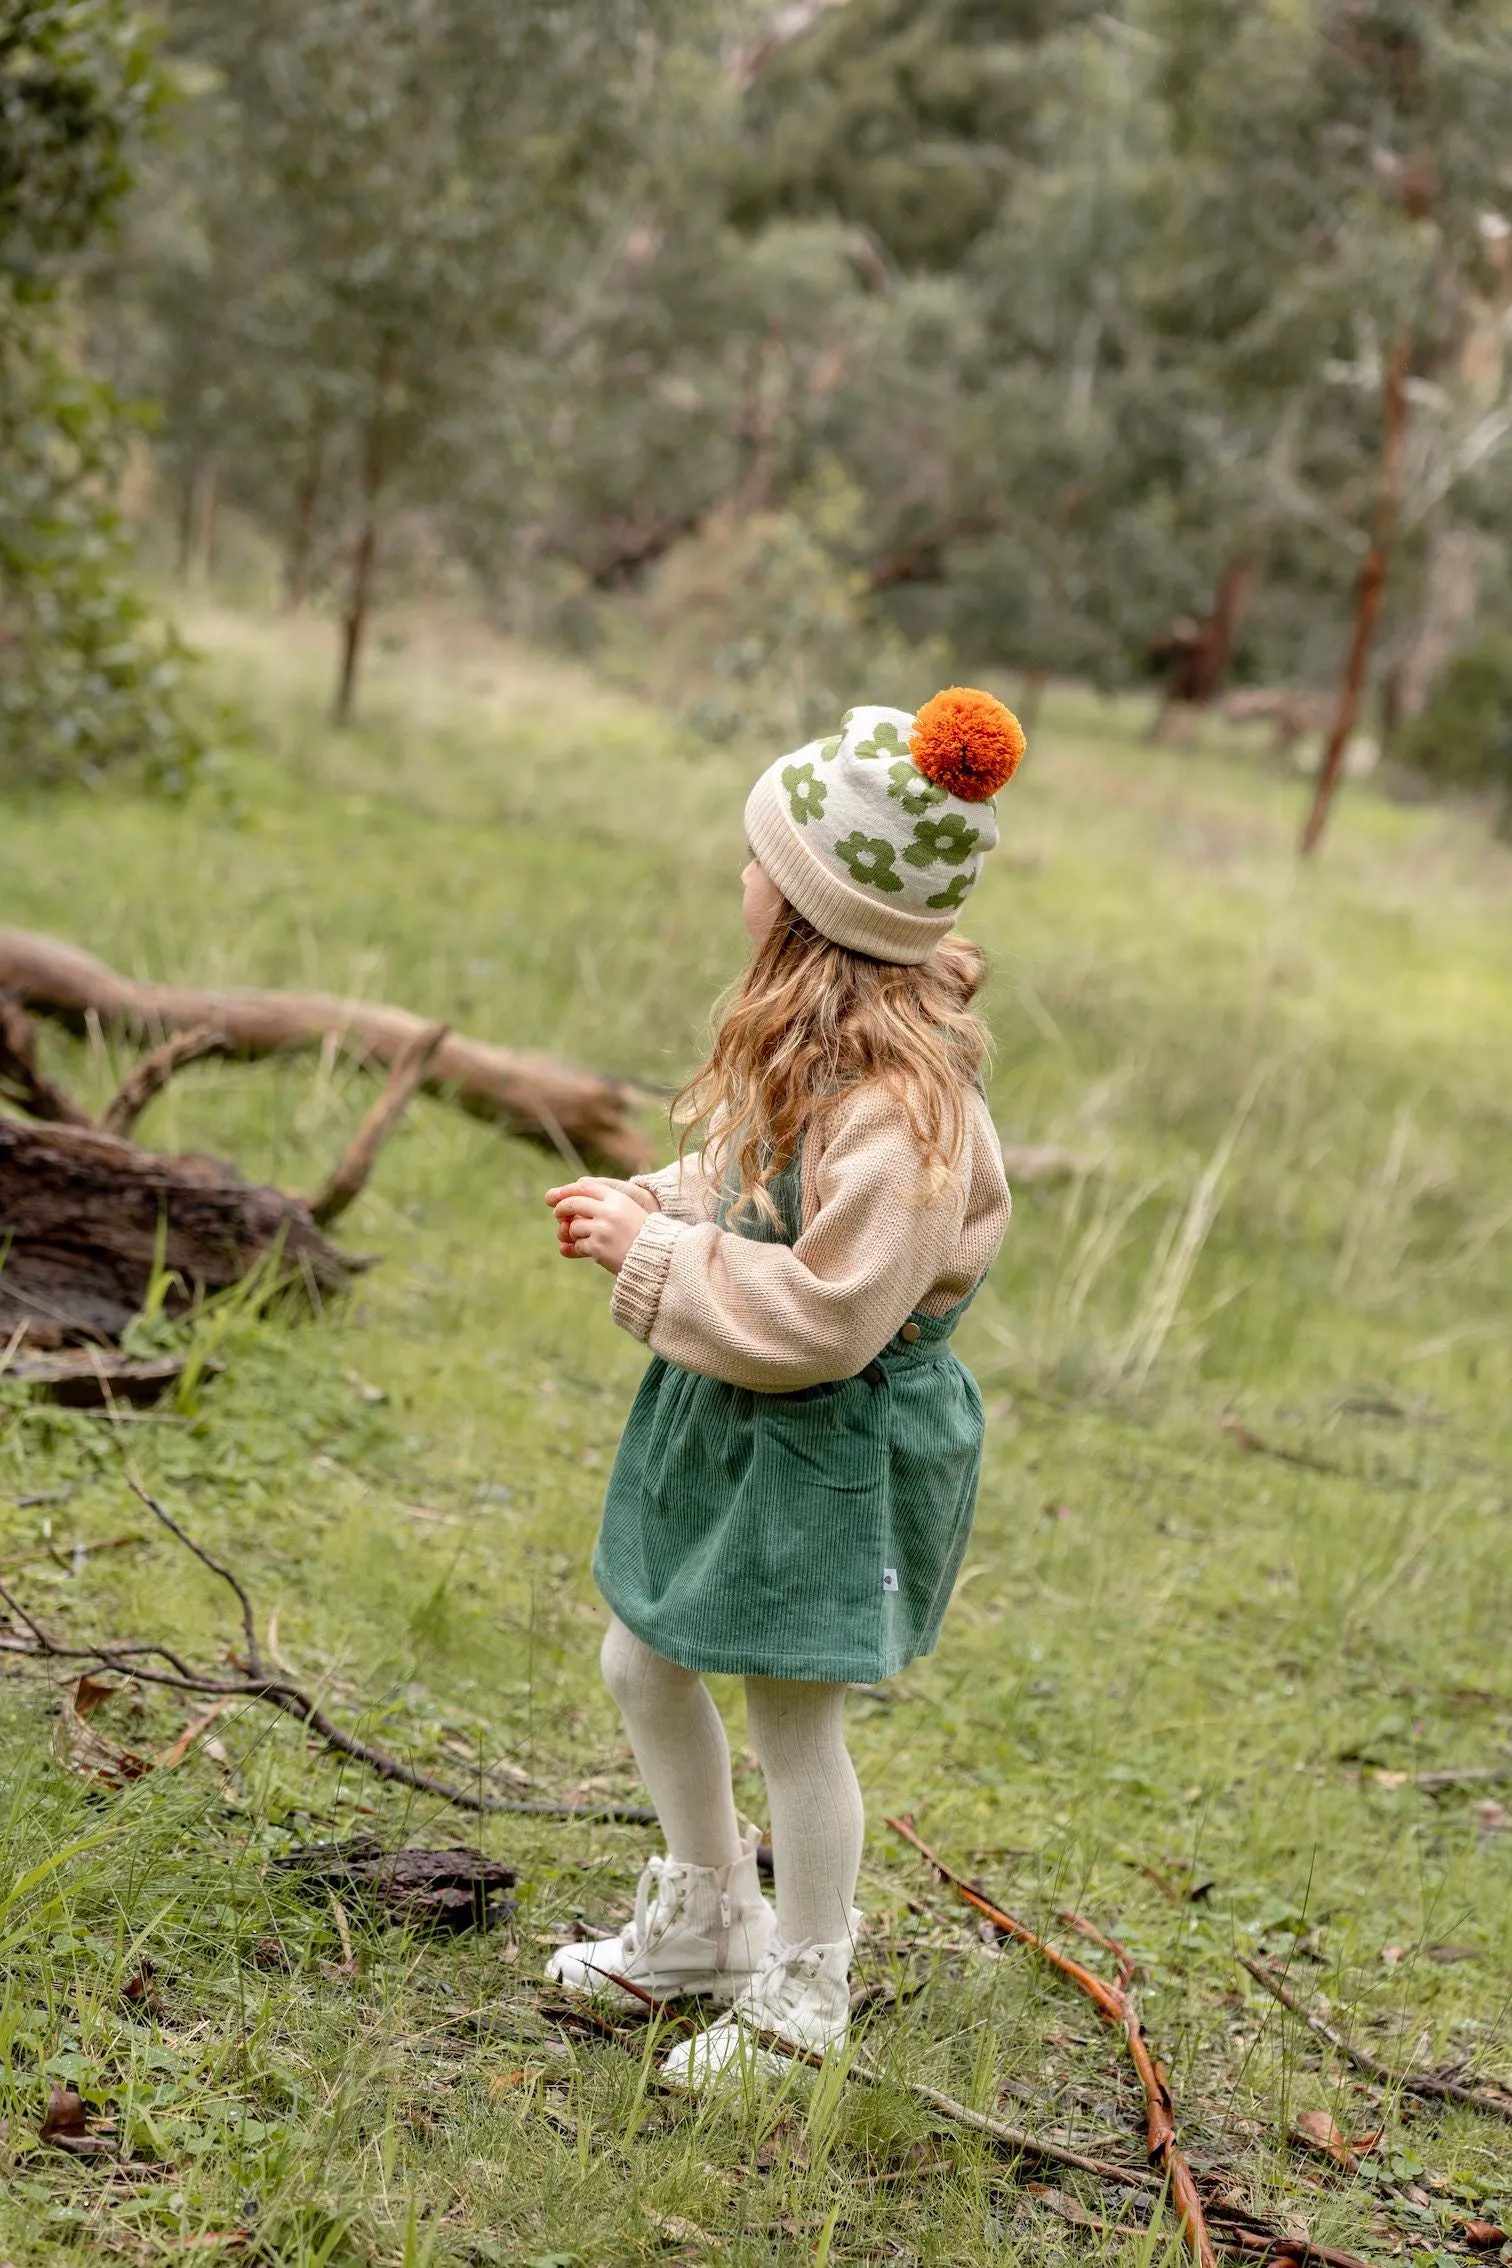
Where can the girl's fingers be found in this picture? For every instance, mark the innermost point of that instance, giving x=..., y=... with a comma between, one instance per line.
x=578, y=1201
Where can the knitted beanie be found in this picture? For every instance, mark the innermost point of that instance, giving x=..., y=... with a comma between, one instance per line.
x=877, y=834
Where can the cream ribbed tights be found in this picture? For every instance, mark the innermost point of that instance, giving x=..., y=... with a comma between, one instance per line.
x=798, y=1733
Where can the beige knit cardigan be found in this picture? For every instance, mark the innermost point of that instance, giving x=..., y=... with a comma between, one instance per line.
x=875, y=1245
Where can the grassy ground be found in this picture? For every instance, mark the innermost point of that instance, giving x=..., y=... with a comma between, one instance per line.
x=1173, y=1661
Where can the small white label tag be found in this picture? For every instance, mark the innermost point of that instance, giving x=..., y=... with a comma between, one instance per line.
x=889, y=1578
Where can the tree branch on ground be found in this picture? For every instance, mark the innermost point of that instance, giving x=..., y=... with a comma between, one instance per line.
x=133, y=1658
x=1117, y=2007
x=1423, y=2083
x=534, y=1095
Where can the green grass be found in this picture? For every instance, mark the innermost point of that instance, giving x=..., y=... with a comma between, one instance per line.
x=1291, y=1091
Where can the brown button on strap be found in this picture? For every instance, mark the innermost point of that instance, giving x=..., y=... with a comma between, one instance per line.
x=909, y=1333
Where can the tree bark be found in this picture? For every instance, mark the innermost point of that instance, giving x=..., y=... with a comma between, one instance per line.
x=579, y=1114
x=87, y=1220
x=1368, y=596
x=188, y=490
x=209, y=519
x=364, y=560
x=1031, y=694
x=302, y=540
x=1201, y=655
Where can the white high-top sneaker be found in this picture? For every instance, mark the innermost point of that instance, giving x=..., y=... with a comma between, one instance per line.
x=695, y=1929
x=800, y=1992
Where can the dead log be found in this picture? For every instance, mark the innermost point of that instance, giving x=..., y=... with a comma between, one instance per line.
x=87, y=1218
x=582, y=1115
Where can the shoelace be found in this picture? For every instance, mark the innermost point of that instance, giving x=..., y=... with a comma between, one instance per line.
x=649, y=1920
x=781, y=1964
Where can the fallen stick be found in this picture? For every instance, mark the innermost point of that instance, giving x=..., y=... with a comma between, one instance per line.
x=1116, y=2005
x=153, y=1073
x=1423, y=2083
x=1242, y=1438
x=1469, y=1776
x=20, y=1080
x=571, y=1110
x=349, y=1174
x=132, y=1658
x=1243, y=2243
x=1024, y=2144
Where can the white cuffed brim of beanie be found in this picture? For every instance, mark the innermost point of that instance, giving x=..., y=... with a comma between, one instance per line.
x=837, y=909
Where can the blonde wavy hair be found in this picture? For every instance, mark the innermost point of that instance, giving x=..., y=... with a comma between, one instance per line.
x=810, y=1022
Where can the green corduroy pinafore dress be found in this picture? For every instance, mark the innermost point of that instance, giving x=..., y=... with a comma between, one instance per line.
x=816, y=1534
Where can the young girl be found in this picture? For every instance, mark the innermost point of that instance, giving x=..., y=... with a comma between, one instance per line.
x=794, y=1489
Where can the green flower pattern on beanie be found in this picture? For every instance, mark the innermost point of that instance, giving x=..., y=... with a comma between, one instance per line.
x=879, y=850
x=871, y=859
x=886, y=740
x=950, y=840
x=912, y=790
x=953, y=895
x=805, y=794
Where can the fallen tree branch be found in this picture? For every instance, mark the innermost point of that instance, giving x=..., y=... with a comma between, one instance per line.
x=134, y=1657
x=1423, y=2083
x=21, y=1082
x=527, y=1092
x=1116, y=2005
x=154, y=1071
x=349, y=1175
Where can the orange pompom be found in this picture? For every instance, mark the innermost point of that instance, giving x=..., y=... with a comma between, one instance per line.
x=967, y=743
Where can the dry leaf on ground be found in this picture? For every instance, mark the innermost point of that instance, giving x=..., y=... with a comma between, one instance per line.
x=81, y=1750
x=65, y=2125
x=1317, y=2131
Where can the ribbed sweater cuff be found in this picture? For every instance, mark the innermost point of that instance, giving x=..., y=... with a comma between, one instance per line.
x=643, y=1274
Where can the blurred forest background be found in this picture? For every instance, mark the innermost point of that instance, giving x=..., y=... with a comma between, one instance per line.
x=754, y=351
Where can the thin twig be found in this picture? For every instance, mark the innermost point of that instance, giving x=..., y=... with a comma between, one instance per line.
x=1424, y=2083
x=1469, y=1776
x=154, y=1071
x=1015, y=2138
x=1244, y=2243
x=1128, y=1967
x=1116, y=2005
x=349, y=1174
x=1241, y=1436
x=249, y=1626
x=129, y=1658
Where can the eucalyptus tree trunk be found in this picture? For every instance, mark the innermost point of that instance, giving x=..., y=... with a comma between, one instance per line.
x=364, y=562
x=1369, y=593
x=302, y=538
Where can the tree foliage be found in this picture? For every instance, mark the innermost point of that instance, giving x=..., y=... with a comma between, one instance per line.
x=86, y=677
x=1083, y=310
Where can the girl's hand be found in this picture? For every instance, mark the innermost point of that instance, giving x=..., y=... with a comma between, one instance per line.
x=599, y=1220
x=592, y=1184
